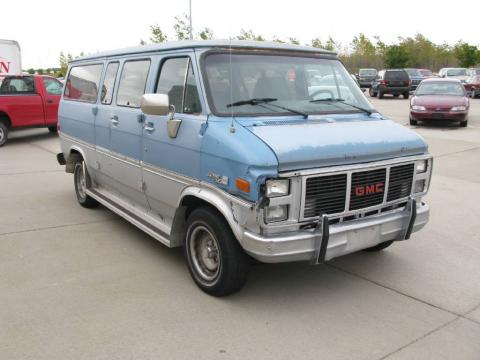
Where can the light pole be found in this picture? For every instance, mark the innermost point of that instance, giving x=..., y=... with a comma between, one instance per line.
x=190, y=17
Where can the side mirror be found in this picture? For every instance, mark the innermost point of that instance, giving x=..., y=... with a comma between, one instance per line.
x=155, y=104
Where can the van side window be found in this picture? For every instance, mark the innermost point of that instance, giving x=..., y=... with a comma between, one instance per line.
x=132, y=83
x=177, y=80
x=82, y=83
x=109, y=83
x=192, y=101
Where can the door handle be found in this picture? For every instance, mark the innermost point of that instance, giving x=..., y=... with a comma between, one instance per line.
x=114, y=120
x=149, y=127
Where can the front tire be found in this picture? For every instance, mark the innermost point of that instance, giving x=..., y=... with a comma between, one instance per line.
x=380, y=94
x=81, y=180
x=474, y=94
x=406, y=95
x=52, y=129
x=215, y=259
x=3, y=133
x=464, y=123
x=379, y=247
x=413, y=122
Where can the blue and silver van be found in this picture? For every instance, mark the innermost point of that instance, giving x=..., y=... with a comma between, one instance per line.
x=238, y=150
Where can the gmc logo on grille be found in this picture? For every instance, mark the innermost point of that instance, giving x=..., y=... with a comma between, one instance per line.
x=369, y=189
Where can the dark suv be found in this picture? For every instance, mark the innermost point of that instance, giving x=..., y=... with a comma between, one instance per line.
x=394, y=82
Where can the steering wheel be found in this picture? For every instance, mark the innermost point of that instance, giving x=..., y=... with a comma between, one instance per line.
x=323, y=91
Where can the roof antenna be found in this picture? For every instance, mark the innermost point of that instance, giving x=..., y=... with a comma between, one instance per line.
x=232, y=124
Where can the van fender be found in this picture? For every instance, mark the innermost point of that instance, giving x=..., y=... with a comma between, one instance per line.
x=75, y=153
x=235, y=211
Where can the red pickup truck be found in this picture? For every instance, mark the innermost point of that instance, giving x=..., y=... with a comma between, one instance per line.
x=28, y=101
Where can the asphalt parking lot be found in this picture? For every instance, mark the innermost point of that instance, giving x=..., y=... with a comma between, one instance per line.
x=85, y=284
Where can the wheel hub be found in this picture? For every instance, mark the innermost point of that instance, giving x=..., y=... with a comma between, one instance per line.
x=205, y=253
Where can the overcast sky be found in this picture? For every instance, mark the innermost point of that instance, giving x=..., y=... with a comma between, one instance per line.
x=45, y=28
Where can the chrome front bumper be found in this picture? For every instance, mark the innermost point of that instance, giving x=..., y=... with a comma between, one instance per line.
x=337, y=239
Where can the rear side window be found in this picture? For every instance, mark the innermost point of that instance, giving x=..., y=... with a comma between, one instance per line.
x=177, y=80
x=18, y=85
x=82, y=83
x=109, y=83
x=396, y=75
x=132, y=83
x=52, y=86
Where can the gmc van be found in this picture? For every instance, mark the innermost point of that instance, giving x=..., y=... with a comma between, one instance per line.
x=234, y=151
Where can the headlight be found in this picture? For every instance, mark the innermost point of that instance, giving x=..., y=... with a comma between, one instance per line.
x=276, y=213
x=418, y=108
x=459, y=108
x=421, y=166
x=277, y=187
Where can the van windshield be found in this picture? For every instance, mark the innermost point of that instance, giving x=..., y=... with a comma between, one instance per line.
x=292, y=81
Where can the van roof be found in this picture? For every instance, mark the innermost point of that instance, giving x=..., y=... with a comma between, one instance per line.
x=189, y=44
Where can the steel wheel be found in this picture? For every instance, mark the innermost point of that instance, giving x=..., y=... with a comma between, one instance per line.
x=81, y=181
x=205, y=253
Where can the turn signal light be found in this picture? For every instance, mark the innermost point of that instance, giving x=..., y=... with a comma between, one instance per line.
x=242, y=185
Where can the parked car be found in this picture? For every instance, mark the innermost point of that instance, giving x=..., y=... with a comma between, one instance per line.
x=454, y=73
x=365, y=77
x=440, y=99
x=426, y=73
x=395, y=82
x=473, y=71
x=415, y=77
x=472, y=86
x=28, y=101
x=259, y=164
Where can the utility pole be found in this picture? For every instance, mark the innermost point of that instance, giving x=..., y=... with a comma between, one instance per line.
x=190, y=17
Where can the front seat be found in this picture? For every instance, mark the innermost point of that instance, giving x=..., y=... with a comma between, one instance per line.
x=272, y=87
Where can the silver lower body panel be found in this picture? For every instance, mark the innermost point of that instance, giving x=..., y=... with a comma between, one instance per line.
x=344, y=238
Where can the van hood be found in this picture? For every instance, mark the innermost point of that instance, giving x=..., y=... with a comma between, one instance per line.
x=313, y=144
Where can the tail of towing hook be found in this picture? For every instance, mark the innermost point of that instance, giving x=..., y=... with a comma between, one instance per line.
x=322, y=231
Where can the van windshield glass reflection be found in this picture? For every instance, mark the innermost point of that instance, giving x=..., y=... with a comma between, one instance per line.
x=293, y=81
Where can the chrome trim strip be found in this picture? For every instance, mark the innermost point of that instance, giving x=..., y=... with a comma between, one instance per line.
x=168, y=174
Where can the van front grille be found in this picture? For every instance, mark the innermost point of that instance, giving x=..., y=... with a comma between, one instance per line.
x=400, y=184
x=328, y=194
x=367, y=189
x=325, y=195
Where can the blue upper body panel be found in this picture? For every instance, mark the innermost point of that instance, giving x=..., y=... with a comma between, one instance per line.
x=335, y=140
x=236, y=154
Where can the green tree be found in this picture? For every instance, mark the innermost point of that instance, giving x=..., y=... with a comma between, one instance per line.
x=468, y=55
x=157, y=35
x=206, y=34
x=31, y=71
x=294, y=41
x=182, y=27
x=396, y=56
x=249, y=35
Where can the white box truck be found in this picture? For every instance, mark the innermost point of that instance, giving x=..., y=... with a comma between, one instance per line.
x=10, y=58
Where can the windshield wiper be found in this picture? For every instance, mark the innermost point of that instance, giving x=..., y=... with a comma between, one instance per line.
x=342, y=101
x=268, y=101
x=254, y=101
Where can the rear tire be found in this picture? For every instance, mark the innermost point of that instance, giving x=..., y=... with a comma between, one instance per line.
x=52, y=129
x=464, y=123
x=3, y=133
x=474, y=94
x=396, y=96
x=215, y=259
x=380, y=94
x=406, y=95
x=372, y=93
x=379, y=247
x=81, y=180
